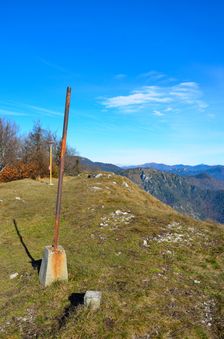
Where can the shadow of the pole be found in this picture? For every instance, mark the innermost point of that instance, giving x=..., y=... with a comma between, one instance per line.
x=35, y=263
x=76, y=299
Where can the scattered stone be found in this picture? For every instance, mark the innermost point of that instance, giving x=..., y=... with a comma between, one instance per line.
x=177, y=234
x=13, y=275
x=197, y=281
x=168, y=237
x=174, y=224
x=168, y=252
x=18, y=198
x=101, y=237
x=125, y=184
x=208, y=308
x=116, y=218
x=1, y=200
x=145, y=336
x=145, y=243
x=92, y=299
x=95, y=188
x=98, y=175
x=118, y=254
x=103, y=224
x=114, y=182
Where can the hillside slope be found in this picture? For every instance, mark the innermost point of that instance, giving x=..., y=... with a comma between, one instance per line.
x=186, y=194
x=205, y=182
x=160, y=273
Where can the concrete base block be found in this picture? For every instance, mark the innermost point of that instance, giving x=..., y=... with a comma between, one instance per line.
x=53, y=266
x=92, y=299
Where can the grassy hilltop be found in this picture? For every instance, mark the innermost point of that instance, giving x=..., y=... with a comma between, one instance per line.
x=160, y=273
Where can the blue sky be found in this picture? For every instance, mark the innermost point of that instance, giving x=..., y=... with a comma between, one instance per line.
x=147, y=77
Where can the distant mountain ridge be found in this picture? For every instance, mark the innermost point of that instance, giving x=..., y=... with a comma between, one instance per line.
x=88, y=164
x=215, y=171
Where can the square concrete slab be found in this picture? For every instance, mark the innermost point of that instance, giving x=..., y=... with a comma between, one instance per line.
x=92, y=299
x=53, y=266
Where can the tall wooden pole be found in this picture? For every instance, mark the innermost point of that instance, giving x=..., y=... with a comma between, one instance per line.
x=61, y=170
x=50, y=167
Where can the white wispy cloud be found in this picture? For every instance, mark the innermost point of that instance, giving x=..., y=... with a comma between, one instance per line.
x=187, y=93
x=145, y=95
x=44, y=110
x=120, y=76
x=168, y=109
x=152, y=75
x=23, y=109
x=6, y=112
x=52, y=65
x=158, y=113
x=211, y=115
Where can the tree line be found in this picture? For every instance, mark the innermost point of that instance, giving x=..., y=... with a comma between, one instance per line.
x=28, y=156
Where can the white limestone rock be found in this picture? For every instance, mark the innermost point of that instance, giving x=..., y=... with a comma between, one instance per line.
x=92, y=299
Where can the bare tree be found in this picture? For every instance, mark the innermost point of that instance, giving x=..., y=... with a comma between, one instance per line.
x=72, y=162
x=33, y=150
x=36, y=148
x=10, y=145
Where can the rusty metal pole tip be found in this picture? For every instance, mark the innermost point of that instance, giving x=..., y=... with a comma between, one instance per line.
x=61, y=170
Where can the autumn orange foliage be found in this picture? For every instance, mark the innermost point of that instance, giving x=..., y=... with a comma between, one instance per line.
x=19, y=171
